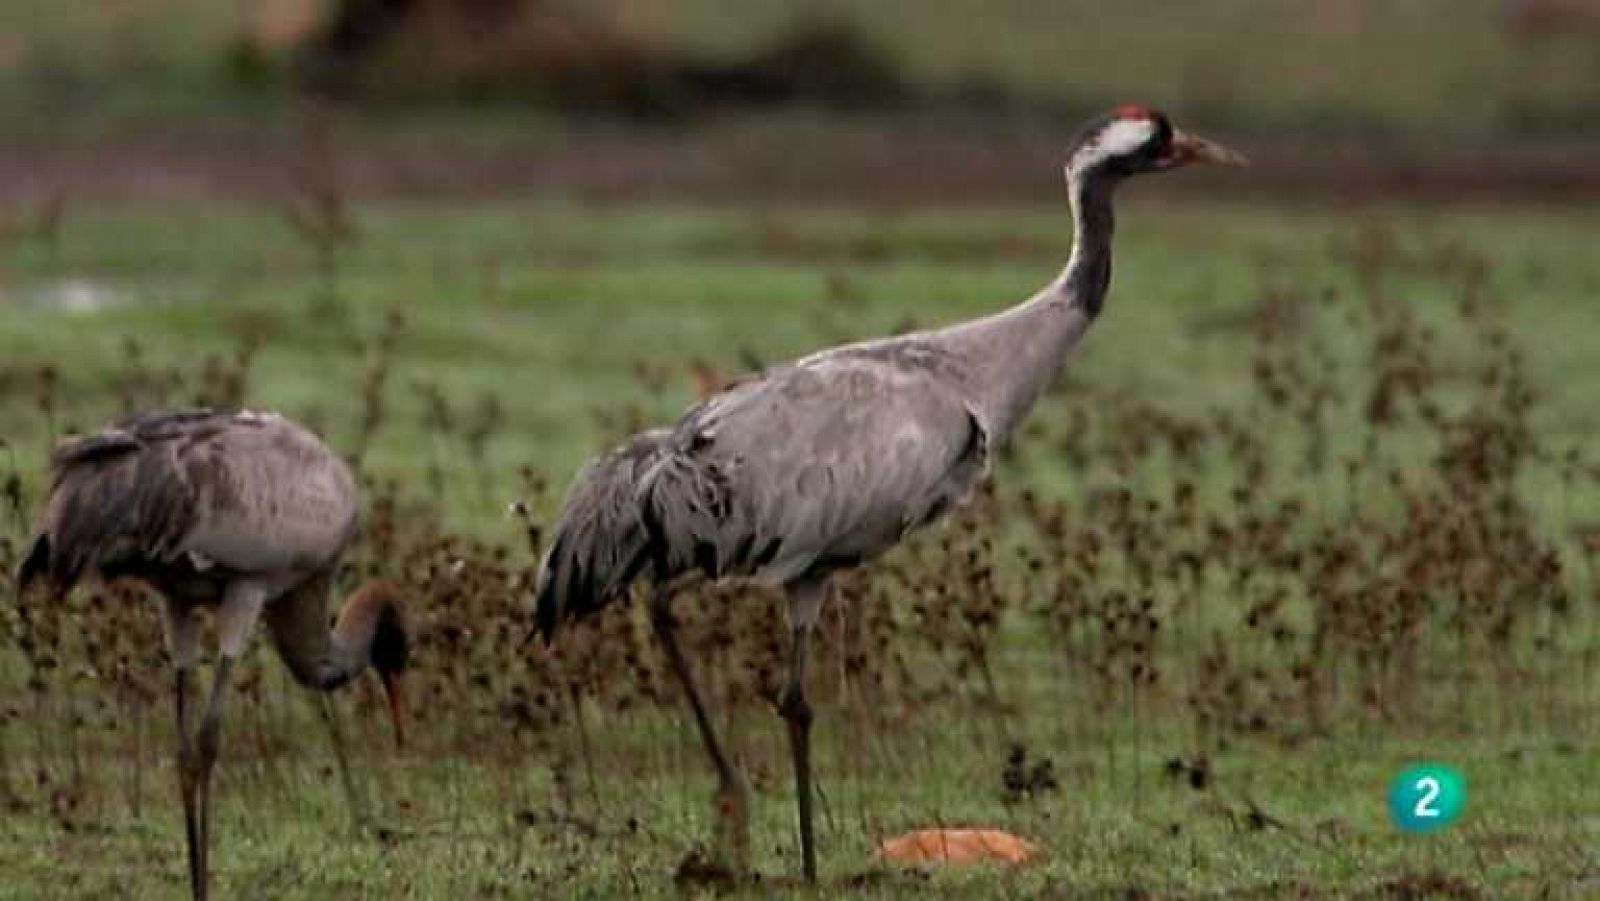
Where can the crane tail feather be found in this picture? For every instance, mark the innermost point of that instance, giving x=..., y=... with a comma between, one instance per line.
x=35, y=564
x=600, y=544
x=547, y=605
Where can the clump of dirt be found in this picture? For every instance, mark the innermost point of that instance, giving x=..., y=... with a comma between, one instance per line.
x=697, y=871
x=1023, y=779
x=1432, y=884
x=1196, y=772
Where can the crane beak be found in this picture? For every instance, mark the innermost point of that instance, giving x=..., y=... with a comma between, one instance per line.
x=397, y=707
x=1187, y=147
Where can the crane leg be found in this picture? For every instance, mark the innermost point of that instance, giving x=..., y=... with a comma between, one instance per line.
x=195, y=760
x=805, y=603
x=236, y=622
x=796, y=712
x=182, y=645
x=208, y=740
x=187, y=770
x=732, y=798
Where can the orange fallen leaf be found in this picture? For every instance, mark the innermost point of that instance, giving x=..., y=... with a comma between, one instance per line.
x=955, y=846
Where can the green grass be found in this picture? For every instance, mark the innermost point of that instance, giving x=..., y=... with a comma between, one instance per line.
x=1123, y=828
x=551, y=306
x=552, y=309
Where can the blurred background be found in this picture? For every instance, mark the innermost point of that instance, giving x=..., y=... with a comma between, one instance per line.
x=826, y=100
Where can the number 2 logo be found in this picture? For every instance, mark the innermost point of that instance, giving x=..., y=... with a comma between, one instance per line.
x=1426, y=797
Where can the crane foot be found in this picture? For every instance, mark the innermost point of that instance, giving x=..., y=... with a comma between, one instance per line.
x=732, y=809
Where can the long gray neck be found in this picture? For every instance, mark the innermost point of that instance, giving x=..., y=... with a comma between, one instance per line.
x=319, y=657
x=1014, y=355
x=348, y=656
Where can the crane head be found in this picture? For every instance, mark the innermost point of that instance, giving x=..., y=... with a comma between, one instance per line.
x=1133, y=139
x=391, y=652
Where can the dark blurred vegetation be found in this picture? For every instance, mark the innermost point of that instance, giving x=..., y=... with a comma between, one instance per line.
x=558, y=55
x=1419, y=69
x=1328, y=65
x=924, y=102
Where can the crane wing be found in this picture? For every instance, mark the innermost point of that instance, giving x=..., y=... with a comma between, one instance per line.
x=810, y=467
x=820, y=465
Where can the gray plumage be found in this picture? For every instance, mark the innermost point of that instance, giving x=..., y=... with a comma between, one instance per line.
x=829, y=461
x=871, y=448
x=189, y=499
x=601, y=548
x=245, y=513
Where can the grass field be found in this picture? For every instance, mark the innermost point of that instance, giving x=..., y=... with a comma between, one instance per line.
x=1232, y=737
x=1316, y=500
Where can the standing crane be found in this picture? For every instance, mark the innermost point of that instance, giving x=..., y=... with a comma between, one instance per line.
x=245, y=513
x=827, y=462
